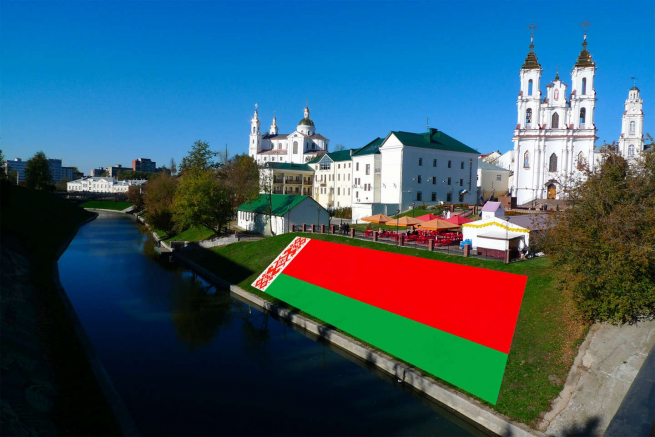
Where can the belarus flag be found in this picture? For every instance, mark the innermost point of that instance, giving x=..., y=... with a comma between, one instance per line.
x=453, y=321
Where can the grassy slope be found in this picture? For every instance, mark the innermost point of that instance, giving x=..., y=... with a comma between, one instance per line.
x=194, y=233
x=40, y=223
x=105, y=204
x=545, y=341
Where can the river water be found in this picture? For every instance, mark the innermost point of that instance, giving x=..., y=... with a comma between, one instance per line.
x=188, y=359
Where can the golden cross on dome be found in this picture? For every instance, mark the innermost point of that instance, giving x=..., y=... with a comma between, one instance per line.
x=585, y=24
x=634, y=78
x=256, y=105
x=532, y=28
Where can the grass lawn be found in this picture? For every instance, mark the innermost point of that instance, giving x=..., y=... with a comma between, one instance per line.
x=545, y=341
x=194, y=233
x=106, y=204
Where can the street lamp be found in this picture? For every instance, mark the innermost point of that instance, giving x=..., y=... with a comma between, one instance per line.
x=397, y=218
x=413, y=208
x=318, y=216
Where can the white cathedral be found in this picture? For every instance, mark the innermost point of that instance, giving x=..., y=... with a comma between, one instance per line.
x=298, y=147
x=554, y=134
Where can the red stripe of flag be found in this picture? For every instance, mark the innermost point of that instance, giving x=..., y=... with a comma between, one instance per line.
x=477, y=304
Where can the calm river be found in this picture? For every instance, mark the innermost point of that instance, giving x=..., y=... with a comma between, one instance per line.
x=188, y=359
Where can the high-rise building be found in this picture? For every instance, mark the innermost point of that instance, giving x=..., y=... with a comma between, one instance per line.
x=144, y=164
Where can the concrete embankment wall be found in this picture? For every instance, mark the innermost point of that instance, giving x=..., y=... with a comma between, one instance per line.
x=478, y=413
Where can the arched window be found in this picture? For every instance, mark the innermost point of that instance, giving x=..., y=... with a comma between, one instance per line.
x=552, y=165
x=528, y=116
x=631, y=150
x=253, y=129
x=295, y=147
x=530, y=87
x=555, y=121
x=632, y=127
x=584, y=86
x=583, y=116
x=526, y=159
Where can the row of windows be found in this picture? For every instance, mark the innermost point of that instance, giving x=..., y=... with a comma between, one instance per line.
x=419, y=179
x=554, y=122
x=434, y=163
x=552, y=162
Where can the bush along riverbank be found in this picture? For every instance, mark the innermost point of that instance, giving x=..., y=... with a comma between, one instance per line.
x=545, y=342
x=49, y=386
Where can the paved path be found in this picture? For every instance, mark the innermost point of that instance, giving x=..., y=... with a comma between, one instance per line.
x=606, y=366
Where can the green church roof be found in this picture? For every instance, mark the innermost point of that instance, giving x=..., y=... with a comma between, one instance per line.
x=287, y=166
x=280, y=204
x=433, y=139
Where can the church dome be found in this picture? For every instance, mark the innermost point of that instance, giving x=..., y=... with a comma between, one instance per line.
x=306, y=122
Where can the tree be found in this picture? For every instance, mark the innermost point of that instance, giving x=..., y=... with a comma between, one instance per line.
x=200, y=157
x=126, y=175
x=241, y=175
x=604, y=245
x=135, y=196
x=3, y=172
x=173, y=167
x=202, y=199
x=158, y=197
x=37, y=172
x=339, y=147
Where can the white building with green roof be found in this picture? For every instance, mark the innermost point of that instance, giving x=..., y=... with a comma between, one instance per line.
x=278, y=214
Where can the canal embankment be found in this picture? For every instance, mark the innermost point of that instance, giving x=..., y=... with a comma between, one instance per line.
x=50, y=387
x=471, y=409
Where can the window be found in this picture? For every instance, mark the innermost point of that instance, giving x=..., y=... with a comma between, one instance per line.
x=357, y=194
x=554, y=123
x=526, y=160
x=499, y=177
x=631, y=150
x=461, y=182
x=420, y=162
x=461, y=197
x=528, y=117
x=632, y=127
x=339, y=177
x=450, y=164
x=434, y=196
x=348, y=176
x=583, y=116
x=253, y=129
x=434, y=180
x=419, y=195
x=461, y=166
x=552, y=166
x=434, y=163
x=325, y=165
x=349, y=191
x=295, y=147
x=368, y=168
x=338, y=191
x=449, y=197
x=584, y=86
x=530, y=87
x=448, y=181
x=357, y=166
x=418, y=179
x=279, y=146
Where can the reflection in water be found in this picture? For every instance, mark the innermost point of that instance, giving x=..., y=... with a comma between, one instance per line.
x=188, y=359
x=199, y=314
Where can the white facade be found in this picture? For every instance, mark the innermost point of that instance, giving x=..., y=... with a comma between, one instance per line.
x=494, y=233
x=492, y=180
x=554, y=134
x=298, y=147
x=332, y=179
x=428, y=168
x=631, y=142
x=102, y=185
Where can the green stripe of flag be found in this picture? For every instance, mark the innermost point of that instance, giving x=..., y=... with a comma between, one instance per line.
x=471, y=366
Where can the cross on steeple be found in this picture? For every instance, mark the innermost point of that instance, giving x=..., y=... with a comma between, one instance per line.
x=634, y=78
x=585, y=24
x=256, y=105
x=428, y=122
x=532, y=28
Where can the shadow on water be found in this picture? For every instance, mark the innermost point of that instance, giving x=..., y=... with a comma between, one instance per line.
x=219, y=265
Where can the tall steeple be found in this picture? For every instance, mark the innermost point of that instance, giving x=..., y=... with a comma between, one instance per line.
x=584, y=59
x=631, y=142
x=531, y=61
x=255, y=135
x=274, y=125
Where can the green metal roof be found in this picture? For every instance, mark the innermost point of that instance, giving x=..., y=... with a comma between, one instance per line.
x=280, y=204
x=433, y=139
x=370, y=148
x=341, y=155
x=287, y=166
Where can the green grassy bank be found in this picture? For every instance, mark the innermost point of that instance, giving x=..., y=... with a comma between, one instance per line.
x=36, y=224
x=545, y=341
x=106, y=204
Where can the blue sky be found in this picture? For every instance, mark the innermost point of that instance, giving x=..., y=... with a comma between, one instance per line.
x=98, y=83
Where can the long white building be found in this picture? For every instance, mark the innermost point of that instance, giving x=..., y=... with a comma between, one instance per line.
x=102, y=185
